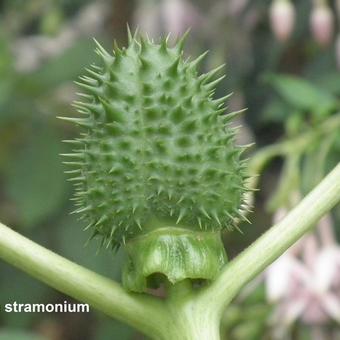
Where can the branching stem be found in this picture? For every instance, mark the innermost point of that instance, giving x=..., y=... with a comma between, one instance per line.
x=140, y=311
x=184, y=315
x=274, y=242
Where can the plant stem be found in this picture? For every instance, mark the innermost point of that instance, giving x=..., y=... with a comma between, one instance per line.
x=190, y=320
x=145, y=313
x=293, y=145
x=186, y=314
x=273, y=243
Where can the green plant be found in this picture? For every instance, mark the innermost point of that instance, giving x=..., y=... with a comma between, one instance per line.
x=151, y=125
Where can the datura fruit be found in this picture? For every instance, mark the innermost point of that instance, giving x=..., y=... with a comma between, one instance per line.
x=156, y=168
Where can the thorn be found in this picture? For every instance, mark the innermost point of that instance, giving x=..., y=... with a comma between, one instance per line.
x=139, y=224
x=84, y=95
x=207, y=76
x=92, y=89
x=215, y=70
x=246, y=146
x=234, y=114
x=113, y=169
x=101, y=49
x=101, y=220
x=81, y=210
x=149, y=197
x=148, y=38
x=229, y=215
x=181, y=215
x=181, y=199
x=80, y=121
x=98, y=68
x=173, y=68
x=77, y=179
x=110, y=110
x=202, y=209
x=181, y=41
x=113, y=229
x=221, y=111
x=216, y=218
x=195, y=62
x=164, y=46
x=167, y=38
x=76, y=155
x=72, y=141
x=116, y=48
x=143, y=44
x=222, y=100
x=170, y=193
x=213, y=84
x=130, y=38
x=95, y=75
x=73, y=163
x=241, y=216
x=108, y=243
x=89, y=81
x=145, y=64
x=72, y=171
x=88, y=226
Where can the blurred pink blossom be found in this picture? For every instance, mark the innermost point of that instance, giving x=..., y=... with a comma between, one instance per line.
x=178, y=16
x=282, y=19
x=170, y=16
x=322, y=24
x=305, y=281
x=337, y=50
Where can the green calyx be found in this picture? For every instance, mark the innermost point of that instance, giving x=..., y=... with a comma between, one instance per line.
x=174, y=253
x=155, y=145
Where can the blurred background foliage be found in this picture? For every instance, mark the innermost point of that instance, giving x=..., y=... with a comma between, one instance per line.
x=290, y=84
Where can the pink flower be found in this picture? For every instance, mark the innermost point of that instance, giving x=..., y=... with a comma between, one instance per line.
x=337, y=50
x=178, y=16
x=282, y=19
x=305, y=281
x=322, y=24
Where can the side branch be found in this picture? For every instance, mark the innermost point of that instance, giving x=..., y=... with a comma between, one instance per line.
x=142, y=312
x=273, y=243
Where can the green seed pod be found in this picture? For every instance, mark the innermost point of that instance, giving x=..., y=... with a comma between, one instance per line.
x=156, y=168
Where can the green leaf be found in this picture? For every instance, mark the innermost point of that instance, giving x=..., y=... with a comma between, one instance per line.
x=303, y=95
x=35, y=180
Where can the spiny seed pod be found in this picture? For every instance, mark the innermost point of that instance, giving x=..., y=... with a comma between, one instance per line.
x=156, y=168
x=282, y=19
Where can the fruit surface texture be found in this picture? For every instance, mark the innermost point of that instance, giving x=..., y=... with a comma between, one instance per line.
x=156, y=152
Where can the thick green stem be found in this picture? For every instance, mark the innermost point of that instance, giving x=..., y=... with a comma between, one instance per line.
x=140, y=311
x=273, y=243
x=189, y=320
